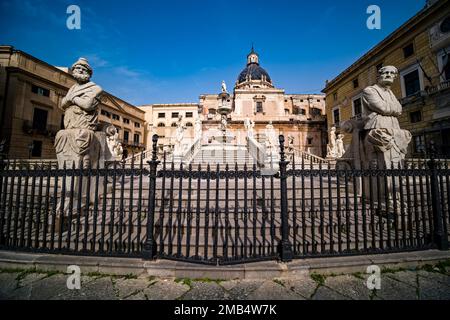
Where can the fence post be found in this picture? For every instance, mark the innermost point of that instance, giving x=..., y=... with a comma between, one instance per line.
x=284, y=247
x=439, y=236
x=149, y=251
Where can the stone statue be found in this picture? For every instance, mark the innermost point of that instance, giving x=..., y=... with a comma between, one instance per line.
x=331, y=148
x=224, y=87
x=198, y=128
x=340, y=150
x=114, y=145
x=249, y=126
x=271, y=139
x=385, y=143
x=179, y=135
x=77, y=143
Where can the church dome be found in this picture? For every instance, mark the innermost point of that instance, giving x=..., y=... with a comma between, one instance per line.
x=253, y=72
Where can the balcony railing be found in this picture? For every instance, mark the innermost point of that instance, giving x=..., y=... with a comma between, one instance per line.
x=48, y=130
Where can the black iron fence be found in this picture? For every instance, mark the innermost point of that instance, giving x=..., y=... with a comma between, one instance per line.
x=223, y=214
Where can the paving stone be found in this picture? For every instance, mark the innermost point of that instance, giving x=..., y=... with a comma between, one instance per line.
x=8, y=284
x=30, y=278
x=137, y=296
x=349, y=286
x=392, y=289
x=165, y=290
x=431, y=289
x=325, y=293
x=240, y=289
x=408, y=277
x=304, y=286
x=439, y=277
x=127, y=287
x=205, y=291
x=45, y=288
x=271, y=290
x=91, y=289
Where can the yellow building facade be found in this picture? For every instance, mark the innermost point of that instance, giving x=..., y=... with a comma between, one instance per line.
x=420, y=49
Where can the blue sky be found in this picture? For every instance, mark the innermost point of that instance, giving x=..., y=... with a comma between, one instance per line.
x=167, y=51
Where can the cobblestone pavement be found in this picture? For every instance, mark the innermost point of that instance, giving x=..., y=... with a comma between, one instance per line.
x=428, y=282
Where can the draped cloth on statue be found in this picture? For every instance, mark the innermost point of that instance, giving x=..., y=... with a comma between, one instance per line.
x=77, y=141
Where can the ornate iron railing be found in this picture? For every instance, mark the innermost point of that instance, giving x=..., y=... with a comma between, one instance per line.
x=223, y=214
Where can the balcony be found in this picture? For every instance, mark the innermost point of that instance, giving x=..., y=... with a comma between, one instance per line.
x=421, y=95
x=132, y=144
x=49, y=130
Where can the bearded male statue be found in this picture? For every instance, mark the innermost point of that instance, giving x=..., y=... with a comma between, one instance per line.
x=385, y=143
x=77, y=143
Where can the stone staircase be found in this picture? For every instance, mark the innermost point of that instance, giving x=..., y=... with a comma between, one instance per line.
x=230, y=154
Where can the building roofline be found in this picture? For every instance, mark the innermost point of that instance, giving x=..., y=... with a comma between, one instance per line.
x=417, y=18
x=184, y=104
x=54, y=68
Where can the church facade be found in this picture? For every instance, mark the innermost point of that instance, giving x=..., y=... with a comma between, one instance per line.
x=254, y=97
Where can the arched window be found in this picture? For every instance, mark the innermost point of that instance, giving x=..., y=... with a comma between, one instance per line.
x=212, y=111
x=188, y=124
x=174, y=124
x=161, y=124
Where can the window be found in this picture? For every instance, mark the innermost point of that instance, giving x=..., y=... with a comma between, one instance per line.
x=318, y=100
x=446, y=68
x=415, y=116
x=303, y=112
x=188, y=124
x=36, y=151
x=160, y=125
x=173, y=124
x=105, y=113
x=115, y=117
x=40, y=91
x=259, y=107
x=408, y=51
x=126, y=136
x=301, y=100
x=336, y=116
x=136, y=138
x=357, y=106
x=40, y=119
x=286, y=112
x=161, y=115
x=335, y=96
x=212, y=111
x=444, y=64
x=411, y=82
x=175, y=114
x=316, y=112
x=309, y=140
x=419, y=144
x=355, y=83
x=189, y=114
x=125, y=120
x=137, y=124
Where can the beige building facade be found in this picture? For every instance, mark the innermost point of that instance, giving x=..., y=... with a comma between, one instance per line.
x=301, y=116
x=31, y=91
